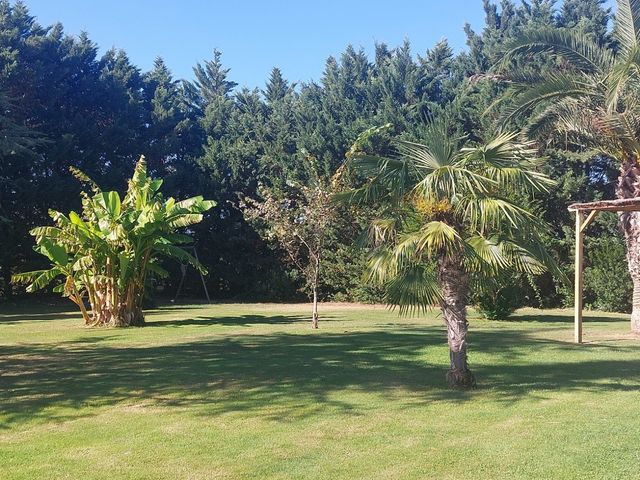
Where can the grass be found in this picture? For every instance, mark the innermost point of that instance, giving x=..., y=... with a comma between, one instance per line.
x=249, y=391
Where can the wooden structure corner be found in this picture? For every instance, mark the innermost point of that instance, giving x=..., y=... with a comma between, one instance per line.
x=585, y=214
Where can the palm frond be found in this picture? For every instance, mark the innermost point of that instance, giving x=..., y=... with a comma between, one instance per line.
x=484, y=254
x=514, y=178
x=428, y=156
x=382, y=266
x=503, y=150
x=387, y=178
x=158, y=270
x=556, y=87
x=626, y=128
x=448, y=181
x=622, y=76
x=433, y=238
x=414, y=289
x=194, y=204
x=484, y=213
x=184, y=220
x=576, y=48
x=503, y=159
x=521, y=259
x=563, y=121
x=627, y=24
x=37, y=279
x=530, y=256
x=381, y=230
x=498, y=254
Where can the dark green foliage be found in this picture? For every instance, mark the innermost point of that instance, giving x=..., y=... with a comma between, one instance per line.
x=211, y=80
x=500, y=303
x=498, y=297
x=62, y=104
x=591, y=16
x=607, y=282
x=96, y=114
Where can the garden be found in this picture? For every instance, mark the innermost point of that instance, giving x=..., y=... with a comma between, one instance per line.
x=367, y=276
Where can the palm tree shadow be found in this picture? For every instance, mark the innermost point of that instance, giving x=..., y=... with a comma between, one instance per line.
x=286, y=372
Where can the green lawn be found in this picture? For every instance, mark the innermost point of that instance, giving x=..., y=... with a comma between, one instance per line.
x=249, y=391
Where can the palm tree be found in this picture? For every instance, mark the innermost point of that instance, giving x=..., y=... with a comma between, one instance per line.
x=447, y=219
x=592, y=101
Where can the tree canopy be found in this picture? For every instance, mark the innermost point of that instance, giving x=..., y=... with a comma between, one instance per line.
x=65, y=105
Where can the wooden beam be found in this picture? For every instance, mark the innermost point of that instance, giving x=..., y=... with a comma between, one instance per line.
x=577, y=332
x=588, y=221
x=618, y=205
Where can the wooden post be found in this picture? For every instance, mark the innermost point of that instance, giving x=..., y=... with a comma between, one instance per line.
x=578, y=277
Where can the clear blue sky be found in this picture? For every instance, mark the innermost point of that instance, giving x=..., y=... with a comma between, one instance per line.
x=255, y=35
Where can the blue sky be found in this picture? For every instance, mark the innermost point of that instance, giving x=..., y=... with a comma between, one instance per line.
x=254, y=35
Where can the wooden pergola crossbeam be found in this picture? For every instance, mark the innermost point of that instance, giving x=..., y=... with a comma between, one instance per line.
x=619, y=205
x=585, y=214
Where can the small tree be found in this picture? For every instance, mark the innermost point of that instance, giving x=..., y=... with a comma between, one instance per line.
x=105, y=254
x=298, y=220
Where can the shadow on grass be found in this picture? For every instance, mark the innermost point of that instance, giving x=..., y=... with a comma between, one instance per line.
x=9, y=315
x=561, y=318
x=239, y=320
x=285, y=374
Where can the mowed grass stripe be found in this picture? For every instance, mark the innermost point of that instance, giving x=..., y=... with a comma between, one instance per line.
x=250, y=391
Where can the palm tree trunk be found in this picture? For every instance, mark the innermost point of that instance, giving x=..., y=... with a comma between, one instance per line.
x=629, y=187
x=455, y=289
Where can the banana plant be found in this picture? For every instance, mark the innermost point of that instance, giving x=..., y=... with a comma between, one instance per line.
x=104, y=254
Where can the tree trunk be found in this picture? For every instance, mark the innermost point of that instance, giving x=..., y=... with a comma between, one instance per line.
x=110, y=307
x=316, y=278
x=132, y=317
x=629, y=187
x=455, y=289
x=118, y=317
x=7, y=287
x=314, y=314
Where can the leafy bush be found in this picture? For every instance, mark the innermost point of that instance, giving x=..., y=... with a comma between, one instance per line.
x=498, y=303
x=104, y=254
x=498, y=297
x=607, y=283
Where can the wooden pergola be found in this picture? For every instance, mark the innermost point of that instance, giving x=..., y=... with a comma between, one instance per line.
x=585, y=213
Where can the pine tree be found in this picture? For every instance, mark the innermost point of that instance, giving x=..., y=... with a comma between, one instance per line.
x=164, y=147
x=277, y=87
x=211, y=80
x=590, y=16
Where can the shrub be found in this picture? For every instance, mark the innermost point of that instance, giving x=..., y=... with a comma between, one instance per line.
x=497, y=298
x=104, y=254
x=607, y=283
x=498, y=303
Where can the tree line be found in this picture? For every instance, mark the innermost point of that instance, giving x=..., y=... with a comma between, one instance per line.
x=63, y=105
